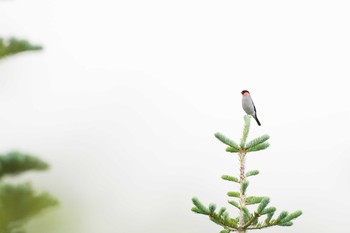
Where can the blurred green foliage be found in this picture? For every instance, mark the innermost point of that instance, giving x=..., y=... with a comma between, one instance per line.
x=14, y=163
x=20, y=202
x=13, y=46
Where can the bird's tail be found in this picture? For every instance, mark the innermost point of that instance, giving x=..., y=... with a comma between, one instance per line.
x=257, y=120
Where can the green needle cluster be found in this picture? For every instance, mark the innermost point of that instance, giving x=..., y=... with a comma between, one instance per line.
x=13, y=46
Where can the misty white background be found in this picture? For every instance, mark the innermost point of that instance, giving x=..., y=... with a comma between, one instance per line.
x=125, y=98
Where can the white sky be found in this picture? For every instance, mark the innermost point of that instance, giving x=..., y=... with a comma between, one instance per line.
x=125, y=99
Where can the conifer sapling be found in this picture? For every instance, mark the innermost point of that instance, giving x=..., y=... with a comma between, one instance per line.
x=263, y=215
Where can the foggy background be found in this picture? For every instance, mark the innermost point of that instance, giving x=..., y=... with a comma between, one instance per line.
x=126, y=97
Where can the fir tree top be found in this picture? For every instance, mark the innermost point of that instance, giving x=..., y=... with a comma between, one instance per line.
x=247, y=219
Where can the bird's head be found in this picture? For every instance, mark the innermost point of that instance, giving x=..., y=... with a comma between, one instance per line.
x=245, y=93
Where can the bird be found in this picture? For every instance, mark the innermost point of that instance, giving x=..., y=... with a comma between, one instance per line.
x=248, y=105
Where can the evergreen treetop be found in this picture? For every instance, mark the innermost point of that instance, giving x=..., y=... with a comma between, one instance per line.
x=247, y=219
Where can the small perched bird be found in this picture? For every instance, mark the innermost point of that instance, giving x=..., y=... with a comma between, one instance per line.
x=248, y=105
